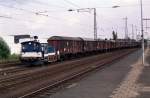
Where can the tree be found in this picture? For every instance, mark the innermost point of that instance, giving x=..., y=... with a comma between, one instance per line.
x=4, y=49
x=114, y=35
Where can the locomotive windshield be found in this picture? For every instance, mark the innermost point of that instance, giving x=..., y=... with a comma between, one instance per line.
x=47, y=48
x=31, y=46
x=50, y=49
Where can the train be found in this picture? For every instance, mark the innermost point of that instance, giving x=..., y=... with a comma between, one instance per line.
x=59, y=48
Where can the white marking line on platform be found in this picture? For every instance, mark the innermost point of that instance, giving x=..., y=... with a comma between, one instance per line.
x=128, y=88
x=72, y=85
x=146, y=64
x=145, y=89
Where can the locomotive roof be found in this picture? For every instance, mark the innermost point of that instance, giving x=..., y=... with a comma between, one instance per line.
x=64, y=38
x=29, y=41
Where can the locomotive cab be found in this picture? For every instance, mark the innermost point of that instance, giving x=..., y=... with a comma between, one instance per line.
x=49, y=53
x=30, y=51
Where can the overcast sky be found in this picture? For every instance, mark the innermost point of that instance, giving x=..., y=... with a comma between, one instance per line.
x=19, y=17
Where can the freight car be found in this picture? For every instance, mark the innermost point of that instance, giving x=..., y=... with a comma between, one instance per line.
x=60, y=48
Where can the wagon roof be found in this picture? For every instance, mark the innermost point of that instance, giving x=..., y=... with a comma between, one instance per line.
x=125, y=40
x=88, y=39
x=64, y=38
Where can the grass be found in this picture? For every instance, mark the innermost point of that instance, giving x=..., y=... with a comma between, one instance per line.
x=11, y=58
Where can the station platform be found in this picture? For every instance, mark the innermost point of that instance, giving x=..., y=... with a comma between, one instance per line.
x=127, y=78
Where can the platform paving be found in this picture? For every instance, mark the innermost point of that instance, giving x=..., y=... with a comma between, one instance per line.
x=123, y=79
x=144, y=80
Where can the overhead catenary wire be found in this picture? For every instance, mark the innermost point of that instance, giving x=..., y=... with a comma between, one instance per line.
x=28, y=11
x=25, y=10
x=73, y=4
x=52, y=17
x=16, y=8
x=56, y=18
x=3, y=16
x=81, y=25
x=45, y=4
x=35, y=13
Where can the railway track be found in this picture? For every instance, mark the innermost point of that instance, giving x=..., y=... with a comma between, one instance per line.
x=38, y=70
x=13, y=70
x=10, y=68
x=21, y=84
x=9, y=64
x=34, y=72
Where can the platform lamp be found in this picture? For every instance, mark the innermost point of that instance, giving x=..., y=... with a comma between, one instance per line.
x=142, y=32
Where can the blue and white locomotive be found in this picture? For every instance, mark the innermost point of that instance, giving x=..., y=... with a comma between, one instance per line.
x=34, y=52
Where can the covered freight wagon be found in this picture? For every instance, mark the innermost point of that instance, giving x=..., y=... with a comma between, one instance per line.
x=66, y=45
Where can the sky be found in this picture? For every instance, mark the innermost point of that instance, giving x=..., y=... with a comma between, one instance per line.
x=47, y=18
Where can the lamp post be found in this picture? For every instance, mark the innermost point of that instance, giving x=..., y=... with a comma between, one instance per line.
x=142, y=31
x=95, y=19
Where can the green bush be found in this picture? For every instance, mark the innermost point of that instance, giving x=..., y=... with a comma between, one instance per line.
x=4, y=49
x=14, y=56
